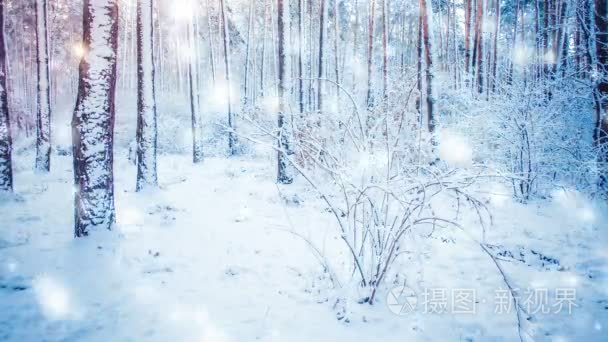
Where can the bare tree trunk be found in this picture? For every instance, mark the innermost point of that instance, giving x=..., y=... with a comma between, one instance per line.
x=428, y=59
x=284, y=174
x=263, y=61
x=210, y=38
x=193, y=87
x=419, y=69
x=370, y=52
x=560, y=37
x=250, y=29
x=355, y=30
x=384, y=52
x=300, y=56
x=601, y=33
x=147, y=133
x=232, y=143
x=93, y=119
x=496, y=31
x=6, y=170
x=468, y=8
x=514, y=43
x=478, y=53
x=337, y=50
x=43, y=110
x=321, y=51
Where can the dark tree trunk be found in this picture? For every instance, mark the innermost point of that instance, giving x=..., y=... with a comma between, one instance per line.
x=428, y=59
x=6, y=170
x=93, y=119
x=478, y=52
x=419, y=70
x=147, y=134
x=43, y=109
x=467, y=34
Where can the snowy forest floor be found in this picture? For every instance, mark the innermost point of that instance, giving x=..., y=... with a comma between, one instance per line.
x=209, y=257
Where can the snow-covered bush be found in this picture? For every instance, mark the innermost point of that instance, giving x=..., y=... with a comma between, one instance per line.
x=379, y=177
x=537, y=135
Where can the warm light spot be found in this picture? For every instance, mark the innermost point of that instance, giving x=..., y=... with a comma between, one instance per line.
x=78, y=50
x=522, y=55
x=455, y=149
x=271, y=104
x=550, y=57
x=130, y=215
x=182, y=9
x=53, y=298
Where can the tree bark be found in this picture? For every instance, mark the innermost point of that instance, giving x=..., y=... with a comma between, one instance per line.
x=301, y=56
x=467, y=34
x=601, y=34
x=147, y=133
x=232, y=143
x=428, y=59
x=193, y=87
x=6, y=170
x=419, y=70
x=93, y=119
x=250, y=28
x=337, y=51
x=495, y=53
x=284, y=174
x=384, y=52
x=321, y=51
x=370, y=52
x=478, y=53
x=43, y=109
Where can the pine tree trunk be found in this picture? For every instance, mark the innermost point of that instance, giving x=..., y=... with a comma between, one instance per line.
x=250, y=28
x=321, y=51
x=147, y=134
x=478, y=53
x=263, y=60
x=43, y=110
x=284, y=174
x=232, y=148
x=6, y=170
x=467, y=35
x=495, y=53
x=384, y=52
x=195, y=113
x=601, y=33
x=370, y=52
x=93, y=119
x=337, y=51
x=428, y=59
x=210, y=39
x=419, y=70
x=301, y=56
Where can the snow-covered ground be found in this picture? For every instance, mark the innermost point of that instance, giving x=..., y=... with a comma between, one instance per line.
x=211, y=256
